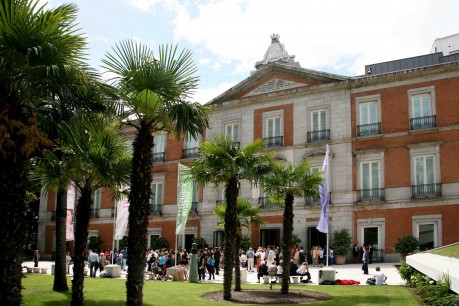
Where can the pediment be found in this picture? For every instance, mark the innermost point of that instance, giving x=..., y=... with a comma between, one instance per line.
x=274, y=84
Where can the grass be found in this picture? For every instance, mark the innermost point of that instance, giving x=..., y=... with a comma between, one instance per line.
x=451, y=251
x=112, y=292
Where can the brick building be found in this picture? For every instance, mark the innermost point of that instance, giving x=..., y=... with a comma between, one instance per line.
x=393, y=135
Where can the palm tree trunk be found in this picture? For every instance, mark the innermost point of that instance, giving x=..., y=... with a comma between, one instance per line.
x=82, y=214
x=13, y=177
x=139, y=210
x=287, y=241
x=237, y=269
x=231, y=194
x=60, y=276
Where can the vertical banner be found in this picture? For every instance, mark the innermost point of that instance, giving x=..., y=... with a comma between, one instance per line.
x=324, y=197
x=184, y=198
x=69, y=234
x=122, y=218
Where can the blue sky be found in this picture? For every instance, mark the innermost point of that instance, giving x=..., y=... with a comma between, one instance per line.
x=227, y=37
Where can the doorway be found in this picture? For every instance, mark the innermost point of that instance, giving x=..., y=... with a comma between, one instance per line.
x=316, y=238
x=370, y=236
x=270, y=237
x=188, y=241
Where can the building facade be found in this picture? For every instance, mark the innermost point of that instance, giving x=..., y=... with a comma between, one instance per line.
x=393, y=136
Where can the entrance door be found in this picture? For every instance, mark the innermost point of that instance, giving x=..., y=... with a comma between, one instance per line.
x=188, y=241
x=316, y=238
x=270, y=237
x=370, y=236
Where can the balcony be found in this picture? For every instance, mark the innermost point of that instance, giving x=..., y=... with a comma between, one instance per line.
x=194, y=207
x=318, y=135
x=156, y=209
x=276, y=141
x=191, y=152
x=94, y=214
x=423, y=122
x=158, y=157
x=315, y=200
x=369, y=129
x=368, y=195
x=266, y=204
x=426, y=190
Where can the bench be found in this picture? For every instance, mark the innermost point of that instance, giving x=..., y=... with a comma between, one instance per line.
x=296, y=279
x=44, y=270
x=36, y=270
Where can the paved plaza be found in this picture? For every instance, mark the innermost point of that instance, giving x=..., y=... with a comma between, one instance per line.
x=343, y=272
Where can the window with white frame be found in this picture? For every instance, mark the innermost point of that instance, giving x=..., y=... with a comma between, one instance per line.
x=96, y=203
x=159, y=149
x=195, y=197
x=319, y=125
x=422, y=108
x=425, y=170
x=368, y=115
x=273, y=129
x=427, y=228
x=370, y=177
x=191, y=146
x=232, y=131
x=156, y=198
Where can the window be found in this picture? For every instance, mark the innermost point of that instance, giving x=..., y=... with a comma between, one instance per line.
x=191, y=146
x=427, y=228
x=96, y=204
x=319, y=129
x=422, y=108
x=232, y=130
x=159, y=149
x=156, y=199
x=195, y=197
x=273, y=132
x=368, y=119
x=217, y=239
x=425, y=168
x=370, y=176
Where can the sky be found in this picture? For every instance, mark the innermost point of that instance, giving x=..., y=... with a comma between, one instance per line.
x=227, y=37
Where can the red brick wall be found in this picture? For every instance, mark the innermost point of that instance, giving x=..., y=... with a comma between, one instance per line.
x=288, y=122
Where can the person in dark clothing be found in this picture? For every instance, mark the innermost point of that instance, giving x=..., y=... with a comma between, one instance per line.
x=302, y=256
x=202, y=266
x=355, y=253
x=293, y=267
x=217, y=257
x=262, y=271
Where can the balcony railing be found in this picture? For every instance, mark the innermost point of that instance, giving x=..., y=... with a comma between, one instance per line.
x=426, y=190
x=423, y=122
x=94, y=214
x=158, y=157
x=156, y=209
x=276, y=141
x=369, y=129
x=191, y=152
x=315, y=201
x=266, y=204
x=318, y=135
x=375, y=194
x=194, y=207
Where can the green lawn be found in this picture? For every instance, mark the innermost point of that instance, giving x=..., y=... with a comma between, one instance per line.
x=451, y=251
x=112, y=292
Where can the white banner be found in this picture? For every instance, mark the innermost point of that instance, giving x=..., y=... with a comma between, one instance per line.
x=324, y=197
x=122, y=218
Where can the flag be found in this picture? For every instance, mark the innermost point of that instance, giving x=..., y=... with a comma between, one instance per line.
x=324, y=197
x=69, y=234
x=184, y=198
x=122, y=218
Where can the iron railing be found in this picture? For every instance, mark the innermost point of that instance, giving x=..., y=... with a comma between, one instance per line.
x=423, y=122
x=266, y=204
x=377, y=255
x=158, y=157
x=276, y=141
x=318, y=135
x=315, y=200
x=426, y=190
x=375, y=194
x=156, y=209
x=369, y=129
x=191, y=152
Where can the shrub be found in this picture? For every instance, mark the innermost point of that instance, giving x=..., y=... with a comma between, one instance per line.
x=245, y=242
x=342, y=242
x=94, y=243
x=406, y=244
x=433, y=292
x=200, y=243
x=406, y=271
x=159, y=243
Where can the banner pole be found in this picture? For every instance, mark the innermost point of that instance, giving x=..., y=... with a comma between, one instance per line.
x=115, y=209
x=176, y=215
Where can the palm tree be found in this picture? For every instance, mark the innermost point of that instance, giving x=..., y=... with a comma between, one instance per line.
x=224, y=163
x=97, y=155
x=153, y=91
x=37, y=46
x=247, y=215
x=289, y=181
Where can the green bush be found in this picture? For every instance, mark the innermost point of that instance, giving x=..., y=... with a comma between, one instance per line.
x=434, y=291
x=342, y=242
x=159, y=243
x=406, y=244
x=94, y=243
x=295, y=240
x=200, y=243
x=245, y=242
x=406, y=271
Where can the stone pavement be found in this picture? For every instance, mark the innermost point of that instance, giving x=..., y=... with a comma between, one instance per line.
x=343, y=272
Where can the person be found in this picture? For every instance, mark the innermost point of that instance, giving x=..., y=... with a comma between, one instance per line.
x=296, y=255
x=202, y=266
x=370, y=252
x=250, y=259
x=301, y=256
x=262, y=271
x=271, y=256
x=355, y=253
x=243, y=259
x=321, y=256
x=293, y=267
x=124, y=252
x=303, y=270
x=315, y=256
x=211, y=266
x=365, y=259
x=93, y=260
x=68, y=259
x=379, y=277
x=331, y=260
x=217, y=257
x=101, y=262
x=36, y=258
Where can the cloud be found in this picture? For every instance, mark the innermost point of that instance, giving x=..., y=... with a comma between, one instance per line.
x=204, y=95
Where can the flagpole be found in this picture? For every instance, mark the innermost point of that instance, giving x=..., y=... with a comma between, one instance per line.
x=328, y=196
x=114, y=230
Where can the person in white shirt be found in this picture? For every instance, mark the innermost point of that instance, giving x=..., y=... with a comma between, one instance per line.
x=379, y=277
x=270, y=256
